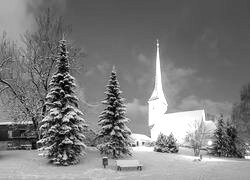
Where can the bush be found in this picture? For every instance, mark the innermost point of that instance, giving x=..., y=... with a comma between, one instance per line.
x=166, y=144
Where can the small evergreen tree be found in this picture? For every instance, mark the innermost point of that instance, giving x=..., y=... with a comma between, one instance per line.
x=220, y=142
x=114, y=132
x=62, y=128
x=166, y=144
x=160, y=142
x=172, y=144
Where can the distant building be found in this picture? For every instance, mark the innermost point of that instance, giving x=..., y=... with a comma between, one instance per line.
x=160, y=121
x=16, y=135
x=140, y=139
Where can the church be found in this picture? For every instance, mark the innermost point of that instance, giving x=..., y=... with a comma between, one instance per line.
x=160, y=121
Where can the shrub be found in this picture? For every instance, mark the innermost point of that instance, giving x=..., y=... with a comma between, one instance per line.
x=166, y=144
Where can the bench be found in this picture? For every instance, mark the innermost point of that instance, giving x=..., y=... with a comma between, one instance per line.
x=128, y=163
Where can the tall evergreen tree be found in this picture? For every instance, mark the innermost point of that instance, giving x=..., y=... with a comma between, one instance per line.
x=114, y=132
x=241, y=114
x=63, y=125
x=231, y=140
x=235, y=146
x=220, y=142
x=227, y=143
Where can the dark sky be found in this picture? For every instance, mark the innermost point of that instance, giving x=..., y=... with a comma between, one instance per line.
x=204, y=48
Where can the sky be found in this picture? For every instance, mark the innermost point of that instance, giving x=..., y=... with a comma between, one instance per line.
x=204, y=49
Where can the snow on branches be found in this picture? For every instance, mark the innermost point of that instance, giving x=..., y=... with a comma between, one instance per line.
x=63, y=126
x=115, y=135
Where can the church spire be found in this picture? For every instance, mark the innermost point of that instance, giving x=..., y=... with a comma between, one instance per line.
x=158, y=90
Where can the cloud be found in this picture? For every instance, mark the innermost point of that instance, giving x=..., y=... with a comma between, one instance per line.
x=175, y=80
x=138, y=114
x=208, y=39
x=136, y=107
x=14, y=18
x=57, y=6
x=143, y=59
x=90, y=72
x=18, y=16
x=207, y=43
x=128, y=77
x=104, y=67
x=192, y=102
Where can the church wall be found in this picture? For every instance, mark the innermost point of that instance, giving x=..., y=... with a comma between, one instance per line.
x=179, y=124
x=156, y=111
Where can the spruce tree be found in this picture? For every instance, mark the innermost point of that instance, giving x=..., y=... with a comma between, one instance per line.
x=166, y=144
x=220, y=142
x=231, y=133
x=235, y=146
x=63, y=126
x=160, y=142
x=172, y=143
x=115, y=135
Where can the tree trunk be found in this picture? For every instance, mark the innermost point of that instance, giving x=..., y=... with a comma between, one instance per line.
x=43, y=110
x=36, y=130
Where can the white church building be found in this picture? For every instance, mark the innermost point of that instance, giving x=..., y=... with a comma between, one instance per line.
x=160, y=121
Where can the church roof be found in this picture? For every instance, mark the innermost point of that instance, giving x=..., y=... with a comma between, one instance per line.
x=186, y=112
x=140, y=137
x=13, y=123
x=181, y=117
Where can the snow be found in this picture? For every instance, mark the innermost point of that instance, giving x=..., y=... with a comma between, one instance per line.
x=28, y=165
x=160, y=166
x=13, y=123
x=247, y=157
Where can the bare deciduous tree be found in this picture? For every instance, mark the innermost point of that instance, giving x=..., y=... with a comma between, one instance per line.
x=197, y=135
x=25, y=72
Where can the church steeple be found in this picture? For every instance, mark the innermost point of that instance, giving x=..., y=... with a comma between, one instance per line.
x=158, y=90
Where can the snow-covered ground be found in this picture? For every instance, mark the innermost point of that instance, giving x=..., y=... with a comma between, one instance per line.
x=28, y=165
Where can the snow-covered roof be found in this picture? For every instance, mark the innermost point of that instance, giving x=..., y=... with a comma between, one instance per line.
x=189, y=115
x=141, y=137
x=182, y=113
x=180, y=118
x=5, y=123
x=21, y=122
